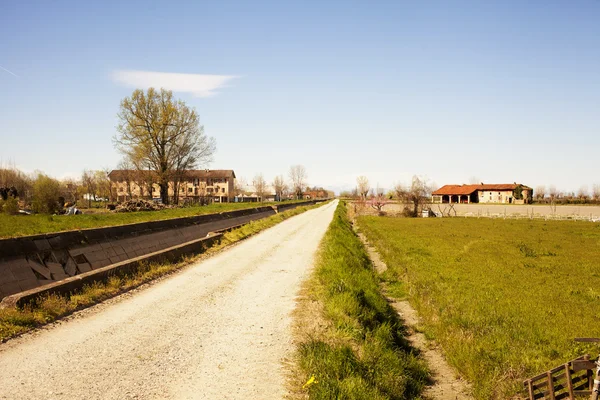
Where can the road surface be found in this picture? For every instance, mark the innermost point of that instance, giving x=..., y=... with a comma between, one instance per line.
x=220, y=329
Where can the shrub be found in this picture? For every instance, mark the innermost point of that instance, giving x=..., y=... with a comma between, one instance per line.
x=10, y=206
x=46, y=192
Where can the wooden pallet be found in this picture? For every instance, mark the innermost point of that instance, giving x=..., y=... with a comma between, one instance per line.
x=574, y=379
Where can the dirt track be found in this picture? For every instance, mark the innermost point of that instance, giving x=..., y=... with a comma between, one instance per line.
x=218, y=330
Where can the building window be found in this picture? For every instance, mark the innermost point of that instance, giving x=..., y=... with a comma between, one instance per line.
x=120, y=190
x=189, y=190
x=223, y=190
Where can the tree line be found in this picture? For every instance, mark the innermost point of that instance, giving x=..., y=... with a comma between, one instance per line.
x=283, y=189
x=414, y=195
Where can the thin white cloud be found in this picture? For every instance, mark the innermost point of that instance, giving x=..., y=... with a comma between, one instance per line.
x=197, y=84
x=12, y=73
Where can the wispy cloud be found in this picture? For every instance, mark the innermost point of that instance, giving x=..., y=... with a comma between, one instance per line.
x=10, y=72
x=197, y=84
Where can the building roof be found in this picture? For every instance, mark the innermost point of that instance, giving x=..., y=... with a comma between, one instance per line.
x=121, y=174
x=209, y=173
x=468, y=189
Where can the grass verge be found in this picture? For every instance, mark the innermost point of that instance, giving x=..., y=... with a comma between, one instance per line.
x=504, y=298
x=24, y=225
x=359, y=351
x=15, y=321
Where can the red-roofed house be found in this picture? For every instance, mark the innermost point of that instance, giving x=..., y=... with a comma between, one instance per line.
x=510, y=193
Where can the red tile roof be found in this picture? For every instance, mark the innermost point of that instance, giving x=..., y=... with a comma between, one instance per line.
x=468, y=189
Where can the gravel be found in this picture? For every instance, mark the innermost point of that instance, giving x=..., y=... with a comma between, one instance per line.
x=220, y=329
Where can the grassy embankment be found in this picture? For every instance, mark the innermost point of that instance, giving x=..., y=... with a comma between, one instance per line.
x=15, y=321
x=504, y=298
x=23, y=225
x=359, y=351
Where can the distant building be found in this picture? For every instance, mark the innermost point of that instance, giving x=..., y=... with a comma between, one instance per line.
x=195, y=185
x=312, y=194
x=511, y=193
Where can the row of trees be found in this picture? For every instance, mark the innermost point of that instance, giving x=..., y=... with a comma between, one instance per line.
x=282, y=189
x=414, y=195
x=551, y=194
x=41, y=193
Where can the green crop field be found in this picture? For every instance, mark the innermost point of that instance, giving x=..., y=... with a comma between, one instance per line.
x=504, y=298
x=22, y=225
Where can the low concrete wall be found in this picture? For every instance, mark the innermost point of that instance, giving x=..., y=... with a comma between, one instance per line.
x=33, y=261
x=77, y=282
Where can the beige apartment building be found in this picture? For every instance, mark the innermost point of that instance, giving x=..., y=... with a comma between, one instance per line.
x=509, y=193
x=195, y=186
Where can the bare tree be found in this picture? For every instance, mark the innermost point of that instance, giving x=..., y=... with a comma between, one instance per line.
x=280, y=186
x=362, y=184
x=552, y=193
x=103, y=185
x=260, y=186
x=298, y=178
x=88, y=181
x=582, y=193
x=415, y=195
x=596, y=191
x=540, y=192
x=69, y=189
x=239, y=186
x=163, y=134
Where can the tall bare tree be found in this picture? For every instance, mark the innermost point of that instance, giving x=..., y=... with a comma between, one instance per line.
x=596, y=191
x=298, y=178
x=416, y=195
x=88, y=182
x=362, y=184
x=103, y=184
x=260, y=186
x=239, y=186
x=280, y=186
x=582, y=193
x=162, y=133
x=552, y=193
x=540, y=192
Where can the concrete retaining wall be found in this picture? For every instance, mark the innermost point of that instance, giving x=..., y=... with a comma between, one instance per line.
x=77, y=282
x=33, y=261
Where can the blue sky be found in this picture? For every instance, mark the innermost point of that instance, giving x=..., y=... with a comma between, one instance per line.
x=502, y=91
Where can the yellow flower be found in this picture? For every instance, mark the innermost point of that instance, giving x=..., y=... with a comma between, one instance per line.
x=311, y=381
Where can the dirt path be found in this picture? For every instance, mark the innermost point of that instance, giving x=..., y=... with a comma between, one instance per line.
x=218, y=330
x=446, y=385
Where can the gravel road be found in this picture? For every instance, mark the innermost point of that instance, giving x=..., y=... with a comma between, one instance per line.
x=220, y=329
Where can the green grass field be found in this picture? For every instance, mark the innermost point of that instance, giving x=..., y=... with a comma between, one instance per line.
x=23, y=225
x=504, y=298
